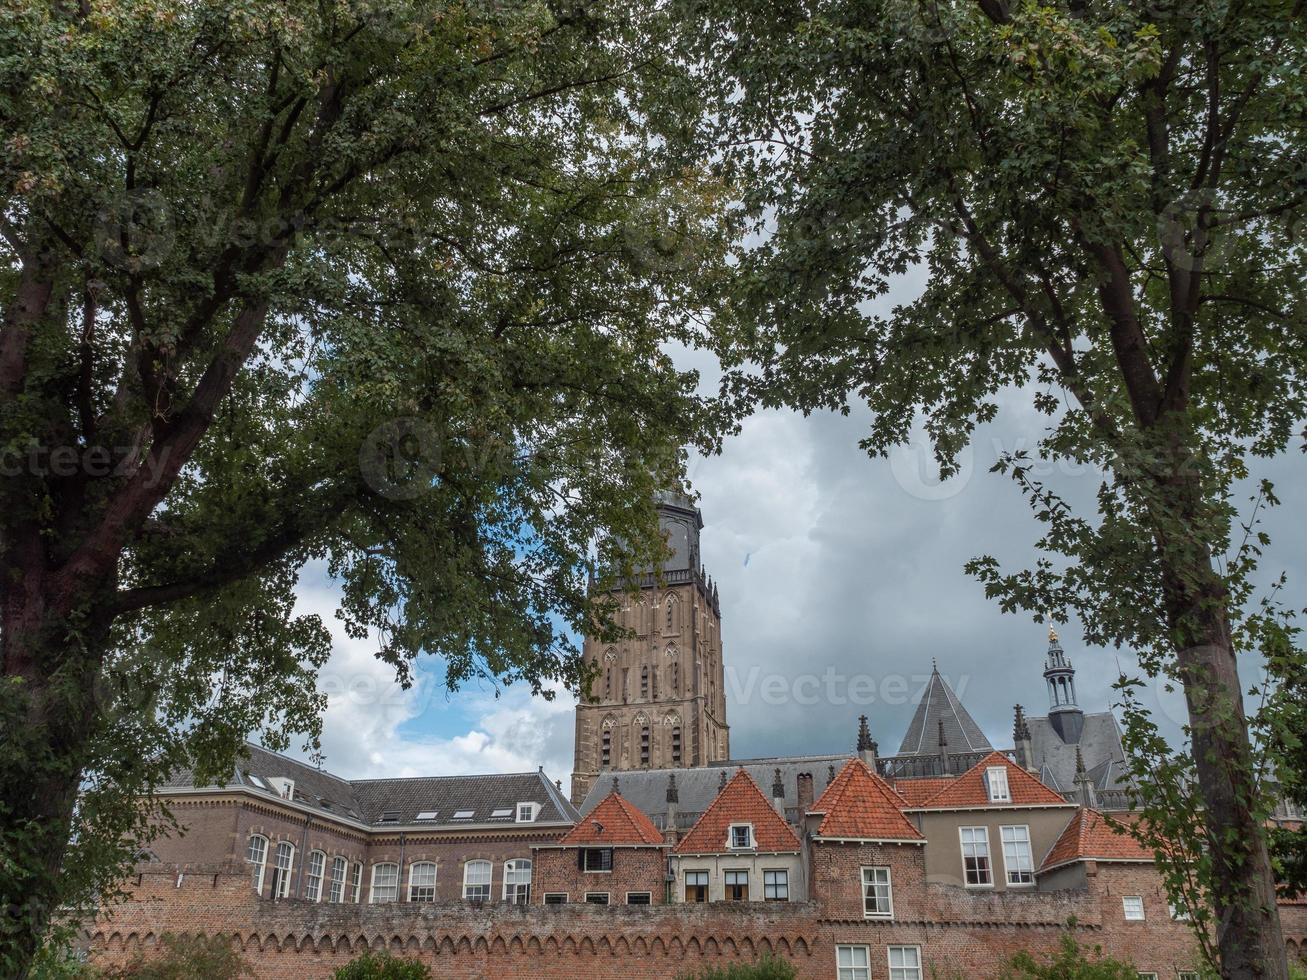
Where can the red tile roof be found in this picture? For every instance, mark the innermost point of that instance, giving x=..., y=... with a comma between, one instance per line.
x=859, y=805
x=918, y=791
x=614, y=821
x=969, y=790
x=741, y=801
x=1090, y=837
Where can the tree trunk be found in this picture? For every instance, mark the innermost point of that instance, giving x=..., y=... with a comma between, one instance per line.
x=49, y=696
x=1248, y=930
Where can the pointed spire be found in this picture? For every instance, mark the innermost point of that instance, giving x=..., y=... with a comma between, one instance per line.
x=864, y=734
x=1080, y=763
x=721, y=783
x=830, y=774
x=617, y=788
x=1020, y=729
x=777, y=786
x=940, y=703
x=673, y=795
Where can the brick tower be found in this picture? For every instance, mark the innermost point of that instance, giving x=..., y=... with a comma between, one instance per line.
x=659, y=701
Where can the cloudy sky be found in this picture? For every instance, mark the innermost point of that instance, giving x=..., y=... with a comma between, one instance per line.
x=841, y=580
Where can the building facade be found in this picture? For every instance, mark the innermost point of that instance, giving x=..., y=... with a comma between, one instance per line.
x=659, y=697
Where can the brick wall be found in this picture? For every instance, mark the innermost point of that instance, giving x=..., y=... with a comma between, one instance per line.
x=635, y=869
x=960, y=934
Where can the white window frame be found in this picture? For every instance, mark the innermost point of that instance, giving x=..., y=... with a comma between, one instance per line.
x=1178, y=915
x=513, y=872
x=336, y=893
x=873, y=872
x=468, y=884
x=748, y=834
x=387, y=867
x=414, y=884
x=727, y=885
x=356, y=882
x=989, y=857
x=1028, y=859
x=783, y=884
x=548, y=895
x=648, y=895
x=1186, y=975
x=608, y=898
x=904, y=971
x=996, y=785
x=585, y=868
x=261, y=865
x=1126, y=907
x=531, y=810
x=315, y=874
x=281, y=874
x=853, y=970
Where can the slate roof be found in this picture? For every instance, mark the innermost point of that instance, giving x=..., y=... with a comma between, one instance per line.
x=399, y=800
x=740, y=802
x=1089, y=836
x=970, y=791
x=939, y=704
x=698, y=787
x=614, y=822
x=1100, y=744
x=860, y=805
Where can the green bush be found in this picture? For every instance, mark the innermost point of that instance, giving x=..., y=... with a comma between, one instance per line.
x=1071, y=962
x=382, y=966
x=59, y=963
x=767, y=968
x=188, y=958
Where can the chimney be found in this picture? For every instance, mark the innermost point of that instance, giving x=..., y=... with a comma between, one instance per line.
x=778, y=793
x=867, y=747
x=1021, y=739
x=804, y=792
x=670, y=829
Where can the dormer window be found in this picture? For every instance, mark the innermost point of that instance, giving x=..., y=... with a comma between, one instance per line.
x=526, y=812
x=389, y=816
x=283, y=787
x=741, y=837
x=996, y=782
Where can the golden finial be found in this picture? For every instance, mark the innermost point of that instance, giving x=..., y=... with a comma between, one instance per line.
x=1052, y=634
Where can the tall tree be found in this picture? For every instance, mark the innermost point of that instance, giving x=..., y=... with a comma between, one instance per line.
x=1105, y=198
x=373, y=284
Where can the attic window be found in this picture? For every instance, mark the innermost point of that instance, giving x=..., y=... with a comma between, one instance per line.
x=996, y=781
x=526, y=812
x=428, y=815
x=389, y=816
x=463, y=814
x=501, y=814
x=741, y=837
x=257, y=781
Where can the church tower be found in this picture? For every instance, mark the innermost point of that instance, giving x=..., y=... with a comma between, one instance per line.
x=659, y=699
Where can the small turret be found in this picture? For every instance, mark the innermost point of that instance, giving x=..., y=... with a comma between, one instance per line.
x=778, y=792
x=1021, y=739
x=1064, y=712
x=1085, y=794
x=867, y=747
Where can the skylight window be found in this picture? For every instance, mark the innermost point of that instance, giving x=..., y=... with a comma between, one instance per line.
x=257, y=781
x=428, y=815
x=501, y=814
x=389, y=816
x=463, y=814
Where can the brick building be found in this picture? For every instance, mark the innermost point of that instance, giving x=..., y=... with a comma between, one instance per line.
x=942, y=860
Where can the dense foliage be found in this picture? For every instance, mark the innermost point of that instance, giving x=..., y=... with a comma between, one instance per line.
x=1103, y=203
x=382, y=966
x=1072, y=961
x=767, y=968
x=372, y=287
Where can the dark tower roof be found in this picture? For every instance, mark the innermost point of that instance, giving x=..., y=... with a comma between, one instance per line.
x=940, y=711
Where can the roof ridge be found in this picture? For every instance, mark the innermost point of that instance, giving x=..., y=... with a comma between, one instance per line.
x=720, y=800
x=985, y=762
x=470, y=775
x=884, y=793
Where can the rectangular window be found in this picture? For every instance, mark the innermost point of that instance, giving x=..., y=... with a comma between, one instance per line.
x=1133, y=905
x=975, y=856
x=1148, y=976
x=737, y=886
x=422, y=882
x=476, y=881
x=317, y=870
x=356, y=884
x=1017, y=860
x=776, y=886
x=853, y=962
x=877, y=896
x=517, y=881
x=639, y=898
x=644, y=746
x=596, y=898
x=1186, y=975
x=555, y=898
x=526, y=812
x=597, y=859
x=339, y=868
x=696, y=886
x=741, y=837
x=676, y=741
x=996, y=780
x=385, y=883
x=607, y=757
x=905, y=963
